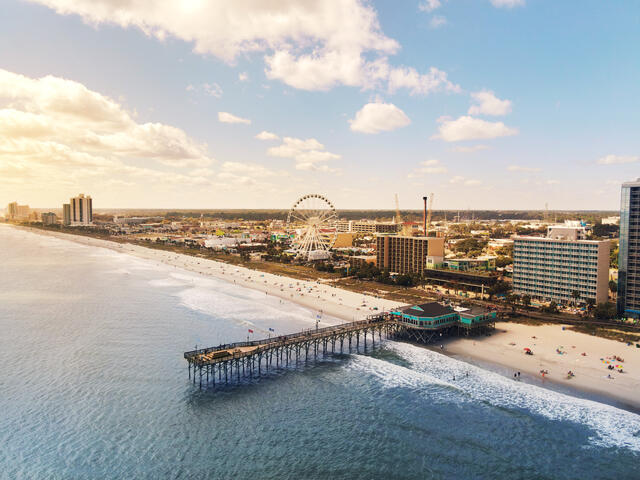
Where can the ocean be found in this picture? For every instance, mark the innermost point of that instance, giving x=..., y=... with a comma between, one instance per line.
x=93, y=385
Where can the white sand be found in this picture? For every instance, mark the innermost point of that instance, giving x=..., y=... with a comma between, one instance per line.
x=315, y=295
x=591, y=374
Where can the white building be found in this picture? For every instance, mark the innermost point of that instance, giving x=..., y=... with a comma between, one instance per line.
x=81, y=210
x=556, y=266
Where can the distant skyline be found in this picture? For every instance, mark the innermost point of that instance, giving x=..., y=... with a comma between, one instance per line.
x=490, y=104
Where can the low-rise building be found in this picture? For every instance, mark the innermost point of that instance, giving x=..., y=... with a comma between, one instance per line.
x=485, y=263
x=438, y=316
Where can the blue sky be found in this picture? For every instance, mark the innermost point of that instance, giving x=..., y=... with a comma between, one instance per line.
x=555, y=87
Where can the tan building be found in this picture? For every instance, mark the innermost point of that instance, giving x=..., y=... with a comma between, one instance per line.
x=81, y=210
x=404, y=254
x=365, y=226
x=344, y=240
x=17, y=212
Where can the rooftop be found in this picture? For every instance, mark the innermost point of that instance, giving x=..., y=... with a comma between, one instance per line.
x=430, y=310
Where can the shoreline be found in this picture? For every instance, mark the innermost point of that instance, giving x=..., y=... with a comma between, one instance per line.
x=316, y=296
x=501, y=352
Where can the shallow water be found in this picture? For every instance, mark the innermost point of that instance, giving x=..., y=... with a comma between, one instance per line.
x=93, y=385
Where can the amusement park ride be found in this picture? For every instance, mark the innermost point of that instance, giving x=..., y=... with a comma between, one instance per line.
x=313, y=218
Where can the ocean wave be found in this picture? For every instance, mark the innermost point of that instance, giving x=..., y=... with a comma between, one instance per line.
x=611, y=426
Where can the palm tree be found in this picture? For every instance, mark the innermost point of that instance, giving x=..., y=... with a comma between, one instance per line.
x=576, y=296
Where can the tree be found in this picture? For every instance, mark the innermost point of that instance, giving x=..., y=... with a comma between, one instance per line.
x=502, y=261
x=470, y=246
x=512, y=300
x=605, y=311
x=499, y=287
x=613, y=257
x=613, y=286
x=576, y=296
x=526, y=300
x=551, y=308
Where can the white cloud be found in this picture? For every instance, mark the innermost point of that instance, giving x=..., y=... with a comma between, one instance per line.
x=311, y=45
x=519, y=168
x=458, y=179
x=212, y=89
x=470, y=148
x=437, y=21
x=55, y=121
x=243, y=77
x=420, y=84
x=507, y=3
x=264, y=135
x=379, y=117
x=428, y=167
x=618, y=159
x=486, y=103
x=469, y=128
x=308, y=154
x=190, y=88
x=226, y=117
x=429, y=5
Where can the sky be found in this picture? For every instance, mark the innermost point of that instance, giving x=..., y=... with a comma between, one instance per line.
x=487, y=104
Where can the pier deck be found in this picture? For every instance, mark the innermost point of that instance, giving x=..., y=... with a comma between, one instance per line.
x=246, y=358
x=238, y=360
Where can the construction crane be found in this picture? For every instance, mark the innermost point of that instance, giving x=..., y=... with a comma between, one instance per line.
x=398, y=216
x=429, y=209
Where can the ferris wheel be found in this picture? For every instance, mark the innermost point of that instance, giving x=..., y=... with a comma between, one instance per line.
x=313, y=217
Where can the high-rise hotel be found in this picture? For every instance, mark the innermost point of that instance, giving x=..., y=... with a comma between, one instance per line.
x=629, y=251
x=562, y=263
x=80, y=210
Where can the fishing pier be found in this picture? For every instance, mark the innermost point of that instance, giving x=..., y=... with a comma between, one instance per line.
x=420, y=324
x=241, y=359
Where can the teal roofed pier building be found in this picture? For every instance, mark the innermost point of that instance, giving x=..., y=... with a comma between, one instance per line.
x=432, y=320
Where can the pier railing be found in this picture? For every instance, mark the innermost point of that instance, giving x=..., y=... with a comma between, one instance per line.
x=369, y=321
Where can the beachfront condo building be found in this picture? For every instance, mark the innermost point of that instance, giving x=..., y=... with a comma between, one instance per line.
x=17, y=212
x=629, y=251
x=66, y=214
x=81, y=210
x=404, y=254
x=49, y=218
x=561, y=266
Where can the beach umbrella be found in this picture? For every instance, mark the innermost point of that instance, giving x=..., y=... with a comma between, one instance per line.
x=527, y=349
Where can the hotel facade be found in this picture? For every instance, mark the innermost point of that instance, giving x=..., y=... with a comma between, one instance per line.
x=81, y=210
x=552, y=268
x=403, y=254
x=629, y=251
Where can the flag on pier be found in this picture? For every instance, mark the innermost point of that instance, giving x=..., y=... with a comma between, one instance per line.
x=250, y=331
x=271, y=329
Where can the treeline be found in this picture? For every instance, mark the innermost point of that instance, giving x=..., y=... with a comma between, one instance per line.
x=387, y=215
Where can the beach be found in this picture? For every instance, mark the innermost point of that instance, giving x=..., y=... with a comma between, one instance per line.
x=558, y=350
x=320, y=297
x=505, y=347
